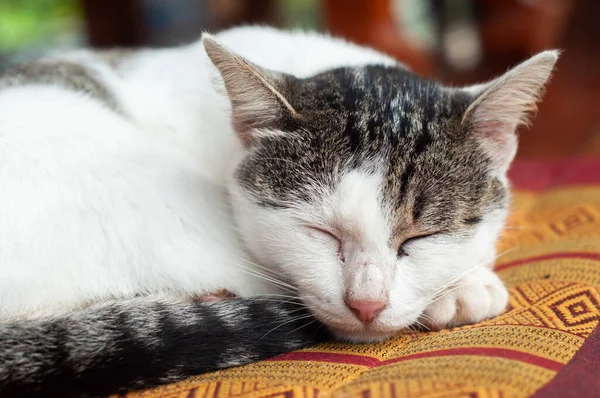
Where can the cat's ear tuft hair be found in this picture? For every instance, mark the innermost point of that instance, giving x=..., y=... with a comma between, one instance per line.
x=254, y=92
x=503, y=104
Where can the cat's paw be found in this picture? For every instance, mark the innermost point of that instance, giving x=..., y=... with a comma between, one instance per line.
x=477, y=296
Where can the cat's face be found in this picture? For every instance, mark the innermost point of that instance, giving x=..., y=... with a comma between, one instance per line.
x=369, y=189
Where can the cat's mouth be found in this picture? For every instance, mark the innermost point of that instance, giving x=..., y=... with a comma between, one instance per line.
x=346, y=328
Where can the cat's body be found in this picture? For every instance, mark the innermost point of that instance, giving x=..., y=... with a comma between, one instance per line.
x=91, y=167
x=373, y=195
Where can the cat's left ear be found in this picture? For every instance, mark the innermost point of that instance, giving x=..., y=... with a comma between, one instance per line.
x=255, y=93
x=503, y=104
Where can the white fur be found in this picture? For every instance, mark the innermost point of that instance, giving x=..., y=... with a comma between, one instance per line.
x=97, y=204
x=286, y=241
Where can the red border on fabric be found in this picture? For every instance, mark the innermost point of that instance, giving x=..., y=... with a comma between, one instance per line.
x=541, y=175
x=329, y=357
x=580, y=255
x=486, y=352
x=581, y=376
x=374, y=362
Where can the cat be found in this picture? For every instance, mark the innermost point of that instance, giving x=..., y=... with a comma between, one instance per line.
x=323, y=183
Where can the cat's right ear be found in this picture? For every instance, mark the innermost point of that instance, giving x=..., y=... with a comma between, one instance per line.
x=255, y=93
x=503, y=104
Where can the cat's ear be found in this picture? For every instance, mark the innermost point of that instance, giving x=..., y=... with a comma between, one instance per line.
x=255, y=93
x=503, y=104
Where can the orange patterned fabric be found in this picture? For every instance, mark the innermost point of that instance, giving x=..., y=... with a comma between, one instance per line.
x=551, y=265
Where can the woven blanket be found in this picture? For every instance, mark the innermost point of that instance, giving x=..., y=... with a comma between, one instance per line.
x=546, y=344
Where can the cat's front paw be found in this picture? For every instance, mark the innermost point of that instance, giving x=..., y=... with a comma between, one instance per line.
x=477, y=296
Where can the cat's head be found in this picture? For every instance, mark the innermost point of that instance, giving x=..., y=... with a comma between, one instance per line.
x=370, y=189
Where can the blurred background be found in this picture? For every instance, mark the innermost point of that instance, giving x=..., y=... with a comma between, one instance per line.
x=455, y=41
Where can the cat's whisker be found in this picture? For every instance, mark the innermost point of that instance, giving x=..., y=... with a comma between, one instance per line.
x=272, y=281
x=279, y=295
x=429, y=319
x=303, y=326
x=445, y=293
x=269, y=277
x=452, y=281
x=297, y=310
x=257, y=267
x=285, y=323
x=254, y=264
x=267, y=272
x=509, y=250
x=426, y=317
x=295, y=300
x=422, y=325
x=292, y=302
x=468, y=271
x=451, y=285
x=412, y=331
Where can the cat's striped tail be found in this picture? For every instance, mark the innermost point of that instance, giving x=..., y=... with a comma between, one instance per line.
x=136, y=343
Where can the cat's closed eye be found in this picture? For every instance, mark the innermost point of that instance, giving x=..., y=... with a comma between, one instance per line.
x=333, y=237
x=402, y=249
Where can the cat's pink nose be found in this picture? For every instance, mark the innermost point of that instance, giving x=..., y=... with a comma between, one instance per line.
x=366, y=311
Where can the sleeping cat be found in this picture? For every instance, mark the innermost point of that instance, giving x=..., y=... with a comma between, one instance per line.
x=309, y=176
